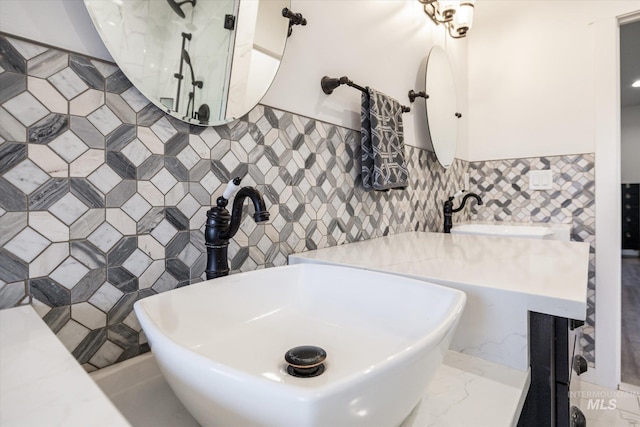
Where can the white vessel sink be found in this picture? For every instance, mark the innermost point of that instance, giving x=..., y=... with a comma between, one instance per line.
x=221, y=345
x=505, y=230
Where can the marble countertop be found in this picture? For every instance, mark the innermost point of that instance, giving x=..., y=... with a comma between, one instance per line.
x=485, y=381
x=41, y=384
x=550, y=275
x=468, y=391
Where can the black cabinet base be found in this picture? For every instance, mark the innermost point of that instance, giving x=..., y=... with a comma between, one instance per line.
x=547, y=402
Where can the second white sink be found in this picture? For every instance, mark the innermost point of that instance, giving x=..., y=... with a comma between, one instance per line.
x=221, y=345
x=505, y=230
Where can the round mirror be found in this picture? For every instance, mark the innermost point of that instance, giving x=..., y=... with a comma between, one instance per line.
x=207, y=62
x=442, y=110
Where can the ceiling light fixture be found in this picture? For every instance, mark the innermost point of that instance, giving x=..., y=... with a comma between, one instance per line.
x=456, y=15
x=636, y=83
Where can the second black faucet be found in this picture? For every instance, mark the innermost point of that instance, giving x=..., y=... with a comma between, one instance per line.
x=448, y=209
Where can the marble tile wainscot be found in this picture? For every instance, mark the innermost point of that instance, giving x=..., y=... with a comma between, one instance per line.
x=103, y=196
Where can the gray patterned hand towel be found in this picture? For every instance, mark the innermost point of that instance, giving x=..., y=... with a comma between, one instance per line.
x=383, y=161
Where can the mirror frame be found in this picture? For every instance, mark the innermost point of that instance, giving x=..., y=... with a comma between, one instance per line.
x=441, y=106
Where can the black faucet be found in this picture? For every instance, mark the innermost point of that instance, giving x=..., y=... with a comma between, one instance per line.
x=222, y=226
x=449, y=210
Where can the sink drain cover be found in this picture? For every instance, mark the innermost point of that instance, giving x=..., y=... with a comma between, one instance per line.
x=305, y=361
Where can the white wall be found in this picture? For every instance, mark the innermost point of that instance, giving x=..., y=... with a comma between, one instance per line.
x=544, y=80
x=381, y=44
x=630, y=147
x=531, y=77
x=60, y=23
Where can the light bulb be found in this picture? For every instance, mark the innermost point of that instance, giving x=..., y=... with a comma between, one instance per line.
x=447, y=8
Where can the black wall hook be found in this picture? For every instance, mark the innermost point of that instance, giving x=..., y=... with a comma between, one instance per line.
x=294, y=19
x=413, y=95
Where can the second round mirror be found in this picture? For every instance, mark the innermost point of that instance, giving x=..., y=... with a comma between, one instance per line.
x=442, y=109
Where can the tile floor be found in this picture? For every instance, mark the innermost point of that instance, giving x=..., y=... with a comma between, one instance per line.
x=604, y=407
x=631, y=320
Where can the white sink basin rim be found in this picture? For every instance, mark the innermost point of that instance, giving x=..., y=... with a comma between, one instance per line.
x=502, y=230
x=221, y=344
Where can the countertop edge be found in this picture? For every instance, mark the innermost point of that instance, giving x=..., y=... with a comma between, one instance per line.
x=572, y=306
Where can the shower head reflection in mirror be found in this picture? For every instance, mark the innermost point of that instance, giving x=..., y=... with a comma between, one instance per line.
x=177, y=7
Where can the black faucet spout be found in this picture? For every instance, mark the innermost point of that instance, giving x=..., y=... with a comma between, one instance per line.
x=261, y=213
x=464, y=201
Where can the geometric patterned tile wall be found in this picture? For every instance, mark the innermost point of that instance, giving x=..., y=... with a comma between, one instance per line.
x=103, y=196
x=505, y=189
